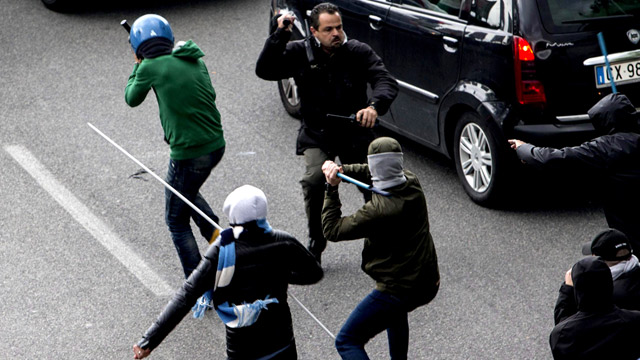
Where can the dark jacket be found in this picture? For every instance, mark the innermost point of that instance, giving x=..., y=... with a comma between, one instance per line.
x=626, y=295
x=626, y=290
x=334, y=84
x=599, y=330
x=265, y=265
x=615, y=155
x=398, y=252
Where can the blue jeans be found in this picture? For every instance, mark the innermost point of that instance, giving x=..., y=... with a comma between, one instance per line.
x=187, y=177
x=377, y=312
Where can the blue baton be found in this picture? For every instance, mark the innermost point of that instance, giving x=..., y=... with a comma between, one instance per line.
x=363, y=185
x=603, y=48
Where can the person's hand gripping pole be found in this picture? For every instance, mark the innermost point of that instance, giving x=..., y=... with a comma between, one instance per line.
x=334, y=174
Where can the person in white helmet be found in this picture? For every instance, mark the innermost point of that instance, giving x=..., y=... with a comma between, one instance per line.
x=249, y=267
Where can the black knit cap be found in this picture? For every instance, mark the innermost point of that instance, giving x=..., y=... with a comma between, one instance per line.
x=607, y=244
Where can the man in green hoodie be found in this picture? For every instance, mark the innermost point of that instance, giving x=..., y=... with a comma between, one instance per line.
x=190, y=120
x=398, y=252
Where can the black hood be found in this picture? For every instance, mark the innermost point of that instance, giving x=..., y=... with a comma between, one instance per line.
x=593, y=285
x=614, y=113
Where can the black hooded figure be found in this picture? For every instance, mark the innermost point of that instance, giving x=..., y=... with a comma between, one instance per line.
x=599, y=330
x=614, y=156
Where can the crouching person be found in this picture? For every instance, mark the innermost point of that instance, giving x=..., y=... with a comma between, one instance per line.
x=398, y=253
x=249, y=268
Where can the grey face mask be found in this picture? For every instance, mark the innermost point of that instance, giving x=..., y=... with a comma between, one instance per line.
x=386, y=169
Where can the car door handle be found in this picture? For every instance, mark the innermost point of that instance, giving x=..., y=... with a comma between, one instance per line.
x=450, y=40
x=450, y=44
x=375, y=22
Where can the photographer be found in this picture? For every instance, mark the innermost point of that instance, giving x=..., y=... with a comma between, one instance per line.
x=331, y=80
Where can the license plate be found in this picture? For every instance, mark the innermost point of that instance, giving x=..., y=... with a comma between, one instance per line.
x=622, y=73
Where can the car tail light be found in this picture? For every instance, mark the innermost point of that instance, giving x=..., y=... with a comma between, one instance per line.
x=529, y=90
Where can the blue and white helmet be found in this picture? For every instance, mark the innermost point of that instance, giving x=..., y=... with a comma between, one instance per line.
x=147, y=27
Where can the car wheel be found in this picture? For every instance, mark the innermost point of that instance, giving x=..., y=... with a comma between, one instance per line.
x=289, y=96
x=479, y=159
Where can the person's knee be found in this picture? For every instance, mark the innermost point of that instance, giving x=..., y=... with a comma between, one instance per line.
x=177, y=223
x=313, y=178
x=344, y=343
x=341, y=344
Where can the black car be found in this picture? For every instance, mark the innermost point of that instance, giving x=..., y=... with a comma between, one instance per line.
x=474, y=73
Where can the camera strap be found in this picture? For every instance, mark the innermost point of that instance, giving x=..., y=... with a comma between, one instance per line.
x=308, y=48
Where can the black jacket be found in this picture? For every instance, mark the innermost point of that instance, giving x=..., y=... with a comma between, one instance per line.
x=615, y=155
x=265, y=265
x=599, y=330
x=626, y=295
x=334, y=84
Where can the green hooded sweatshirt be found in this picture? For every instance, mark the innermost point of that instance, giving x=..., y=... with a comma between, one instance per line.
x=186, y=99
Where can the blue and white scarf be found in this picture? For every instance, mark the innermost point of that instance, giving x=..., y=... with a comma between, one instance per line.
x=232, y=315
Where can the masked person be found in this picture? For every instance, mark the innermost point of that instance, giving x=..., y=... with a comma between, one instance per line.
x=615, y=155
x=191, y=124
x=249, y=266
x=599, y=329
x=398, y=252
x=332, y=78
x=613, y=247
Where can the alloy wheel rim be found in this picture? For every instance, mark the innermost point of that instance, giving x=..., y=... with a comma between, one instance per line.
x=475, y=157
x=291, y=91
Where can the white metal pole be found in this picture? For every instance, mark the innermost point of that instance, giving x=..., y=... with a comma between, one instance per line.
x=157, y=177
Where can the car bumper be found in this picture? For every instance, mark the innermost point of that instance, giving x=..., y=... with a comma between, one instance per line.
x=556, y=135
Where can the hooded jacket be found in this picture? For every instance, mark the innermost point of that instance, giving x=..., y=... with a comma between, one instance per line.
x=266, y=261
x=615, y=155
x=626, y=295
x=333, y=84
x=599, y=330
x=398, y=252
x=186, y=100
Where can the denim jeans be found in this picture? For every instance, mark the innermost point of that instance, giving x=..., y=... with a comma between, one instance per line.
x=187, y=177
x=377, y=312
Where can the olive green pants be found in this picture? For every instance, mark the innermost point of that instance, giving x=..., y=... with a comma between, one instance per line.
x=313, y=187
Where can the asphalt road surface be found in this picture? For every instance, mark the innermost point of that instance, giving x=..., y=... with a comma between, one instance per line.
x=86, y=261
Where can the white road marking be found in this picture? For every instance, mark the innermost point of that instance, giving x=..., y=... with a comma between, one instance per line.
x=96, y=227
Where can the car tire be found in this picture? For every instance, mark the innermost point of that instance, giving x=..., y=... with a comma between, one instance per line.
x=480, y=160
x=290, y=97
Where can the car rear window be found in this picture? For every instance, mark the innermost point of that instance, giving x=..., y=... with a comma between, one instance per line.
x=564, y=16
